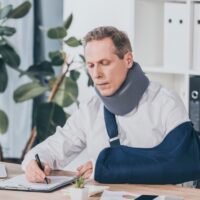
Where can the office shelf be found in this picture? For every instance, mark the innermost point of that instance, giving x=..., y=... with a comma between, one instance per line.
x=148, y=45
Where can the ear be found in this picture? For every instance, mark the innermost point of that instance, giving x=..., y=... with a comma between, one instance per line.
x=128, y=59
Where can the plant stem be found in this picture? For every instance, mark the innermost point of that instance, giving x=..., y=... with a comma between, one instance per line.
x=30, y=142
x=58, y=83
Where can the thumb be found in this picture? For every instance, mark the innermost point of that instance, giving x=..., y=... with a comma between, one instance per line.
x=47, y=169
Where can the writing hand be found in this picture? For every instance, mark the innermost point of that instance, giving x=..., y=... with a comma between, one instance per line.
x=35, y=174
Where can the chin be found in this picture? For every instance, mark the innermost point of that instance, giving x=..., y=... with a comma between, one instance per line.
x=106, y=93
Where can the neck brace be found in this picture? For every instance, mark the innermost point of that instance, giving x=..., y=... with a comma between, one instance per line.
x=127, y=97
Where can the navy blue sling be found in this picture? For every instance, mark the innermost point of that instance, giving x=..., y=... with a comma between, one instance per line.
x=111, y=127
x=175, y=160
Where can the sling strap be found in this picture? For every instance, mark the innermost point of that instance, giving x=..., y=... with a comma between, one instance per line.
x=111, y=127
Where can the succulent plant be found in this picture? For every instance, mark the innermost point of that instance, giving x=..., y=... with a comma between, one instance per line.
x=80, y=182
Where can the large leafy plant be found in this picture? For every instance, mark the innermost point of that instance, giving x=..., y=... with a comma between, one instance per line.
x=61, y=90
x=8, y=56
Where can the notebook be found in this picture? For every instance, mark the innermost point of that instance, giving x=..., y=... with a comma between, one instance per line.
x=21, y=183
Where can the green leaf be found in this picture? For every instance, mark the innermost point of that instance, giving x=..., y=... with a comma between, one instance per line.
x=74, y=75
x=49, y=115
x=57, y=58
x=57, y=33
x=3, y=42
x=82, y=57
x=4, y=122
x=29, y=91
x=90, y=81
x=7, y=31
x=67, y=93
x=73, y=42
x=10, y=56
x=45, y=68
x=68, y=22
x=20, y=11
x=5, y=11
x=3, y=76
x=51, y=82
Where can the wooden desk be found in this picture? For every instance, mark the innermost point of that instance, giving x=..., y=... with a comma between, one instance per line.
x=186, y=193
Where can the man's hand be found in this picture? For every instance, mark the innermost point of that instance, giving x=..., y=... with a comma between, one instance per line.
x=35, y=174
x=85, y=170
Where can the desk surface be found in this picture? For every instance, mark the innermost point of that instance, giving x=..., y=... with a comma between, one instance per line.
x=186, y=193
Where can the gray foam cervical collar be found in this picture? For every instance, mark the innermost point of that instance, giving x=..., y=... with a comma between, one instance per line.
x=127, y=97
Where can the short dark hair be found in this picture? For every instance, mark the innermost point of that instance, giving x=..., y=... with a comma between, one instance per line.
x=119, y=38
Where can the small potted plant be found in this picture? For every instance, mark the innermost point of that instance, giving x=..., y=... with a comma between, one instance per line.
x=79, y=192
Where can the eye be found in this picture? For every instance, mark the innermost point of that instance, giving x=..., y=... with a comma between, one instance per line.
x=105, y=62
x=90, y=65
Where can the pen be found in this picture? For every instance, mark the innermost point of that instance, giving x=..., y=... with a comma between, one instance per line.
x=40, y=166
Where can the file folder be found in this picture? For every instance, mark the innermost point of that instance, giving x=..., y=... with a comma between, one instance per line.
x=175, y=35
x=194, y=104
x=196, y=37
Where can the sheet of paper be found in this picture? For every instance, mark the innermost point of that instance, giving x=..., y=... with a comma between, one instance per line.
x=122, y=195
x=117, y=195
x=93, y=189
x=3, y=173
x=20, y=181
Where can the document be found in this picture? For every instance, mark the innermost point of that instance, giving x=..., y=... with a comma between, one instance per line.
x=92, y=189
x=21, y=183
x=122, y=195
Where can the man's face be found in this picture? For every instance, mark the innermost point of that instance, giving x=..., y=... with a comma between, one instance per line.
x=107, y=70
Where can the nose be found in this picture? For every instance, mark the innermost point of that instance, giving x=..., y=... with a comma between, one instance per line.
x=97, y=72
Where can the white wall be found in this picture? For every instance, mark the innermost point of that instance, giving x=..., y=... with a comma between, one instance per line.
x=89, y=14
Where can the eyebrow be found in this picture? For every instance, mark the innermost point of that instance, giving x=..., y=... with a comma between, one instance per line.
x=104, y=59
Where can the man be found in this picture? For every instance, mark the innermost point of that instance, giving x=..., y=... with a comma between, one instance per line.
x=145, y=112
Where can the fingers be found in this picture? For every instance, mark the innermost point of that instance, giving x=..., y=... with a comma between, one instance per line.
x=85, y=170
x=87, y=174
x=34, y=173
x=80, y=167
x=47, y=169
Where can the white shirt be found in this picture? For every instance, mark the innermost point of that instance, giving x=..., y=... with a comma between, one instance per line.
x=159, y=111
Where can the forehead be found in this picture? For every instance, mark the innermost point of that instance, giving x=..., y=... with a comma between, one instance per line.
x=99, y=49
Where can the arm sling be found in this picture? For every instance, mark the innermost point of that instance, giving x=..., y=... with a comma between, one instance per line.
x=175, y=160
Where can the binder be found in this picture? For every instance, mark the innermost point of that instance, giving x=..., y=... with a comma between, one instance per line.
x=194, y=101
x=175, y=35
x=196, y=37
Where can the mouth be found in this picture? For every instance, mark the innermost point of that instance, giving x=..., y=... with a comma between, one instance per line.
x=101, y=85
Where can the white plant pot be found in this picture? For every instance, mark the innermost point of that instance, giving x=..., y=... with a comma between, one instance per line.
x=79, y=193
